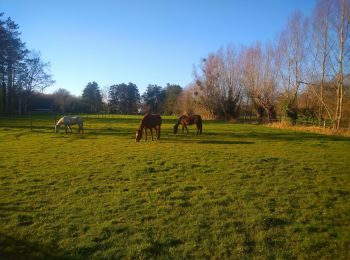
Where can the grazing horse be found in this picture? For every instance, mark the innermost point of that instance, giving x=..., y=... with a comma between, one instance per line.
x=149, y=121
x=185, y=120
x=67, y=121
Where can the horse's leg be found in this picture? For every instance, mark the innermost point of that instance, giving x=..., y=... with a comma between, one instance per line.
x=145, y=134
x=187, y=130
x=158, y=132
x=65, y=127
x=70, y=129
x=183, y=127
x=152, y=134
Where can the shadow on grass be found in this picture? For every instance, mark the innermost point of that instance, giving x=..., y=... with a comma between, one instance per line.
x=221, y=137
x=281, y=135
x=224, y=142
x=14, y=248
x=37, y=128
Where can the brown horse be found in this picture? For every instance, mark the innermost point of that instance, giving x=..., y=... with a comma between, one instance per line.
x=149, y=121
x=185, y=120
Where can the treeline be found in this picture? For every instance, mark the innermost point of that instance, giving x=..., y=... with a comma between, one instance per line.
x=304, y=73
x=118, y=98
x=22, y=72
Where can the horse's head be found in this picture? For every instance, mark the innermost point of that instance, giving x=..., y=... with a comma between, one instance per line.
x=138, y=135
x=176, y=127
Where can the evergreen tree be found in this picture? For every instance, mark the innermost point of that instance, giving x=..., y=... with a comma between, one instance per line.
x=92, y=97
x=171, y=93
x=124, y=98
x=153, y=98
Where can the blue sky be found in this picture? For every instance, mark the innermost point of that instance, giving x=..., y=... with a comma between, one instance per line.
x=144, y=42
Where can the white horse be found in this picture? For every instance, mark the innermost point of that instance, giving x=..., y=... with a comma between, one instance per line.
x=67, y=121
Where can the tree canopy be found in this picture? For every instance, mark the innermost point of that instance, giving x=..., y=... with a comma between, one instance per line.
x=153, y=98
x=124, y=98
x=92, y=97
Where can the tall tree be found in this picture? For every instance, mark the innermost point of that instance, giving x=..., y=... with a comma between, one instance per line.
x=219, y=84
x=124, y=98
x=153, y=98
x=61, y=98
x=293, y=52
x=340, y=25
x=21, y=72
x=260, y=80
x=92, y=97
x=12, y=55
x=171, y=93
x=3, y=37
x=321, y=39
x=34, y=76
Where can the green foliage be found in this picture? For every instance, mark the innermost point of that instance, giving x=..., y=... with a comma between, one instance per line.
x=92, y=97
x=153, y=99
x=171, y=93
x=308, y=114
x=236, y=191
x=124, y=98
x=288, y=111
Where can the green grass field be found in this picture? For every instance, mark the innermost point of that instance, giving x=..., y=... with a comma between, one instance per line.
x=237, y=191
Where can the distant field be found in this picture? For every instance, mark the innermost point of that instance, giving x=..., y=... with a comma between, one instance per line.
x=237, y=191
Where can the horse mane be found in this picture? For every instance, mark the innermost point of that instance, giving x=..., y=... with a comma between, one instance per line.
x=142, y=123
x=59, y=121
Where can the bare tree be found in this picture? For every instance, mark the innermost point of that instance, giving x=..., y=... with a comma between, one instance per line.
x=105, y=98
x=321, y=41
x=293, y=54
x=188, y=102
x=62, y=98
x=340, y=25
x=260, y=75
x=219, y=85
x=34, y=77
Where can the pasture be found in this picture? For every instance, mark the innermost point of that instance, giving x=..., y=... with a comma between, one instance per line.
x=236, y=191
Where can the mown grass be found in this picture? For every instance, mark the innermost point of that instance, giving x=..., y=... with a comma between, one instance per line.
x=237, y=191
